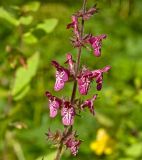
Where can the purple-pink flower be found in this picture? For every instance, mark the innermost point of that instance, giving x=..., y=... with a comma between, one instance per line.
x=73, y=145
x=67, y=113
x=86, y=77
x=62, y=76
x=96, y=43
x=90, y=104
x=54, y=104
x=74, y=25
x=98, y=75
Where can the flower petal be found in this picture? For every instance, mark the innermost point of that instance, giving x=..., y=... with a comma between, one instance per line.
x=90, y=104
x=62, y=75
x=67, y=114
x=83, y=85
x=53, y=106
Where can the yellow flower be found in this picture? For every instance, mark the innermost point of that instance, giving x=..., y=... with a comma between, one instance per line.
x=103, y=143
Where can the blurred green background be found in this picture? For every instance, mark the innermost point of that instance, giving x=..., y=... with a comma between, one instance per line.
x=32, y=33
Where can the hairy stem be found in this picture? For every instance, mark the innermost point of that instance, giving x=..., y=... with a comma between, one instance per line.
x=59, y=151
x=78, y=56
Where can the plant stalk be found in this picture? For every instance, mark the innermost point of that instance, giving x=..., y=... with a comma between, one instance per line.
x=59, y=151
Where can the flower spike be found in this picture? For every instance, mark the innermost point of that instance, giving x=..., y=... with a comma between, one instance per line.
x=81, y=78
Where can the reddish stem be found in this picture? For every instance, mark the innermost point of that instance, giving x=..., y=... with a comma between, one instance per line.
x=59, y=151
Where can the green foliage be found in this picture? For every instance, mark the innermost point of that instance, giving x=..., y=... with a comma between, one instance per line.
x=26, y=20
x=8, y=17
x=24, y=75
x=50, y=156
x=32, y=28
x=48, y=25
x=135, y=150
x=29, y=38
x=31, y=6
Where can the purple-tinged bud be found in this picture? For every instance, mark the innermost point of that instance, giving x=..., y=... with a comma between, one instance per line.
x=88, y=14
x=73, y=145
x=70, y=62
x=54, y=137
x=74, y=25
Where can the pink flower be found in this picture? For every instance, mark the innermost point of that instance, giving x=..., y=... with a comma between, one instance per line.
x=54, y=104
x=74, y=25
x=84, y=80
x=96, y=42
x=70, y=62
x=98, y=74
x=67, y=113
x=90, y=103
x=86, y=77
x=62, y=76
x=73, y=145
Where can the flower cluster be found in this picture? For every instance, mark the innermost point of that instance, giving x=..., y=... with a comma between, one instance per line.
x=82, y=78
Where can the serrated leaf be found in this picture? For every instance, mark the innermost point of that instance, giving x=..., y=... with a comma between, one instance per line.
x=50, y=156
x=25, y=20
x=48, y=25
x=29, y=38
x=25, y=75
x=31, y=6
x=4, y=14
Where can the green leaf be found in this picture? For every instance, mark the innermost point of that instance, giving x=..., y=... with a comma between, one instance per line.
x=26, y=20
x=50, y=156
x=25, y=75
x=48, y=25
x=31, y=6
x=8, y=16
x=29, y=38
x=22, y=93
x=135, y=150
x=138, y=97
